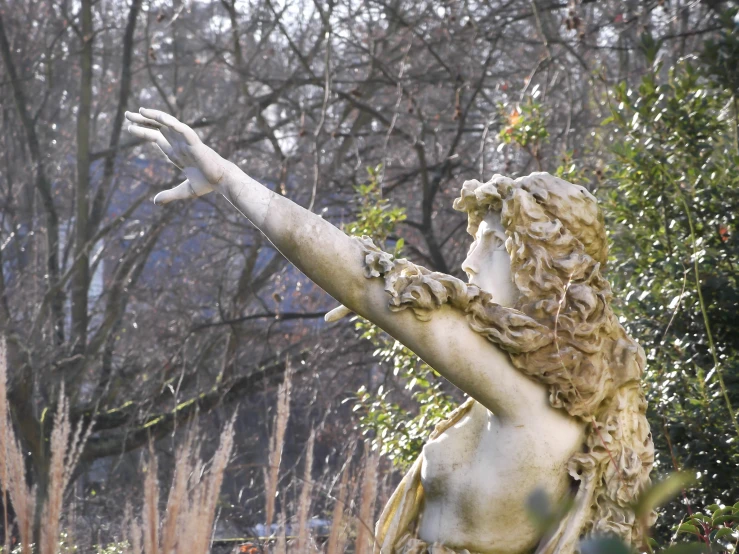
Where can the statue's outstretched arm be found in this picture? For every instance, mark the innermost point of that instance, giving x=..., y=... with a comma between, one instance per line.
x=334, y=261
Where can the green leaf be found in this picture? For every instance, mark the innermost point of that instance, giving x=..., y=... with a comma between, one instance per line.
x=688, y=528
x=721, y=511
x=604, y=545
x=722, y=533
x=720, y=520
x=662, y=492
x=689, y=548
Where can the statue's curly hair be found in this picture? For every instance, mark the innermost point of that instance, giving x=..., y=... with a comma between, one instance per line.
x=562, y=332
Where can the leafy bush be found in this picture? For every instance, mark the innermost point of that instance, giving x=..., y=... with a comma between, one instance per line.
x=715, y=529
x=399, y=431
x=672, y=198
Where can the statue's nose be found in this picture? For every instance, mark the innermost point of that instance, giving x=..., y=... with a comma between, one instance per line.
x=471, y=264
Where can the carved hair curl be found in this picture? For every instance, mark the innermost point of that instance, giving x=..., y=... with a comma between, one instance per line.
x=562, y=332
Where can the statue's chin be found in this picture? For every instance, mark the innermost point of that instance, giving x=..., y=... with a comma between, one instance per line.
x=476, y=282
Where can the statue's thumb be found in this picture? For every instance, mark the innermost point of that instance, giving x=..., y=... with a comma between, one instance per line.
x=180, y=192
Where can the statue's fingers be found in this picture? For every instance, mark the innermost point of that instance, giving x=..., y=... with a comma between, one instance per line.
x=161, y=117
x=173, y=123
x=146, y=133
x=153, y=135
x=169, y=135
x=172, y=136
x=149, y=123
x=139, y=119
x=180, y=192
x=172, y=156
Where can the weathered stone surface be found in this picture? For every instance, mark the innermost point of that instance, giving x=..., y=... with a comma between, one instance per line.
x=556, y=404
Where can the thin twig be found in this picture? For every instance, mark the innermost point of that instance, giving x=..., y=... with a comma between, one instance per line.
x=381, y=178
x=317, y=132
x=704, y=313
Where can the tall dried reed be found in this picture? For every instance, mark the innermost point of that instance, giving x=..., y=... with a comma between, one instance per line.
x=184, y=460
x=281, y=542
x=3, y=442
x=365, y=521
x=187, y=524
x=151, y=505
x=276, y=445
x=337, y=536
x=206, y=513
x=131, y=531
x=22, y=496
x=305, y=496
x=66, y=450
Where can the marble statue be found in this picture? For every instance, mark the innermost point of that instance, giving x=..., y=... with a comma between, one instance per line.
x=554, y=382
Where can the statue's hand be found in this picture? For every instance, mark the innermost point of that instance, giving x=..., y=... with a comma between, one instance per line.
x=202, y=166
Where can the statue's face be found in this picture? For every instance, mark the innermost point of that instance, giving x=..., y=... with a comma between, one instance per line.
x=488, y=264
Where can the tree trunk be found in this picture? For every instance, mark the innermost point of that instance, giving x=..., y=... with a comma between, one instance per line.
x=81, y=279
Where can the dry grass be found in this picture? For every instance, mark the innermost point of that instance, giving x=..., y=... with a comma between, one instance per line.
x=337, y=537
x=276, y=445
x=22, y=496
x=281, y=543
x=189, y=517
x=203, y=517
x=365, y=524
x=4, y=475
x=151, y=505
x=66, y=450
x=305, y=496
x=186, y=524
x=184, y=459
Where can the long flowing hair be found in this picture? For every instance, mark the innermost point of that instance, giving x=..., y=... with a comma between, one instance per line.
x=562, y=332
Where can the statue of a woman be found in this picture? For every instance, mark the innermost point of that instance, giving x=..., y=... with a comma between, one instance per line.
x=556, y=403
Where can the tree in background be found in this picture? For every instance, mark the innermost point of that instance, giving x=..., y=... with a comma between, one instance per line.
x=306, y=95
